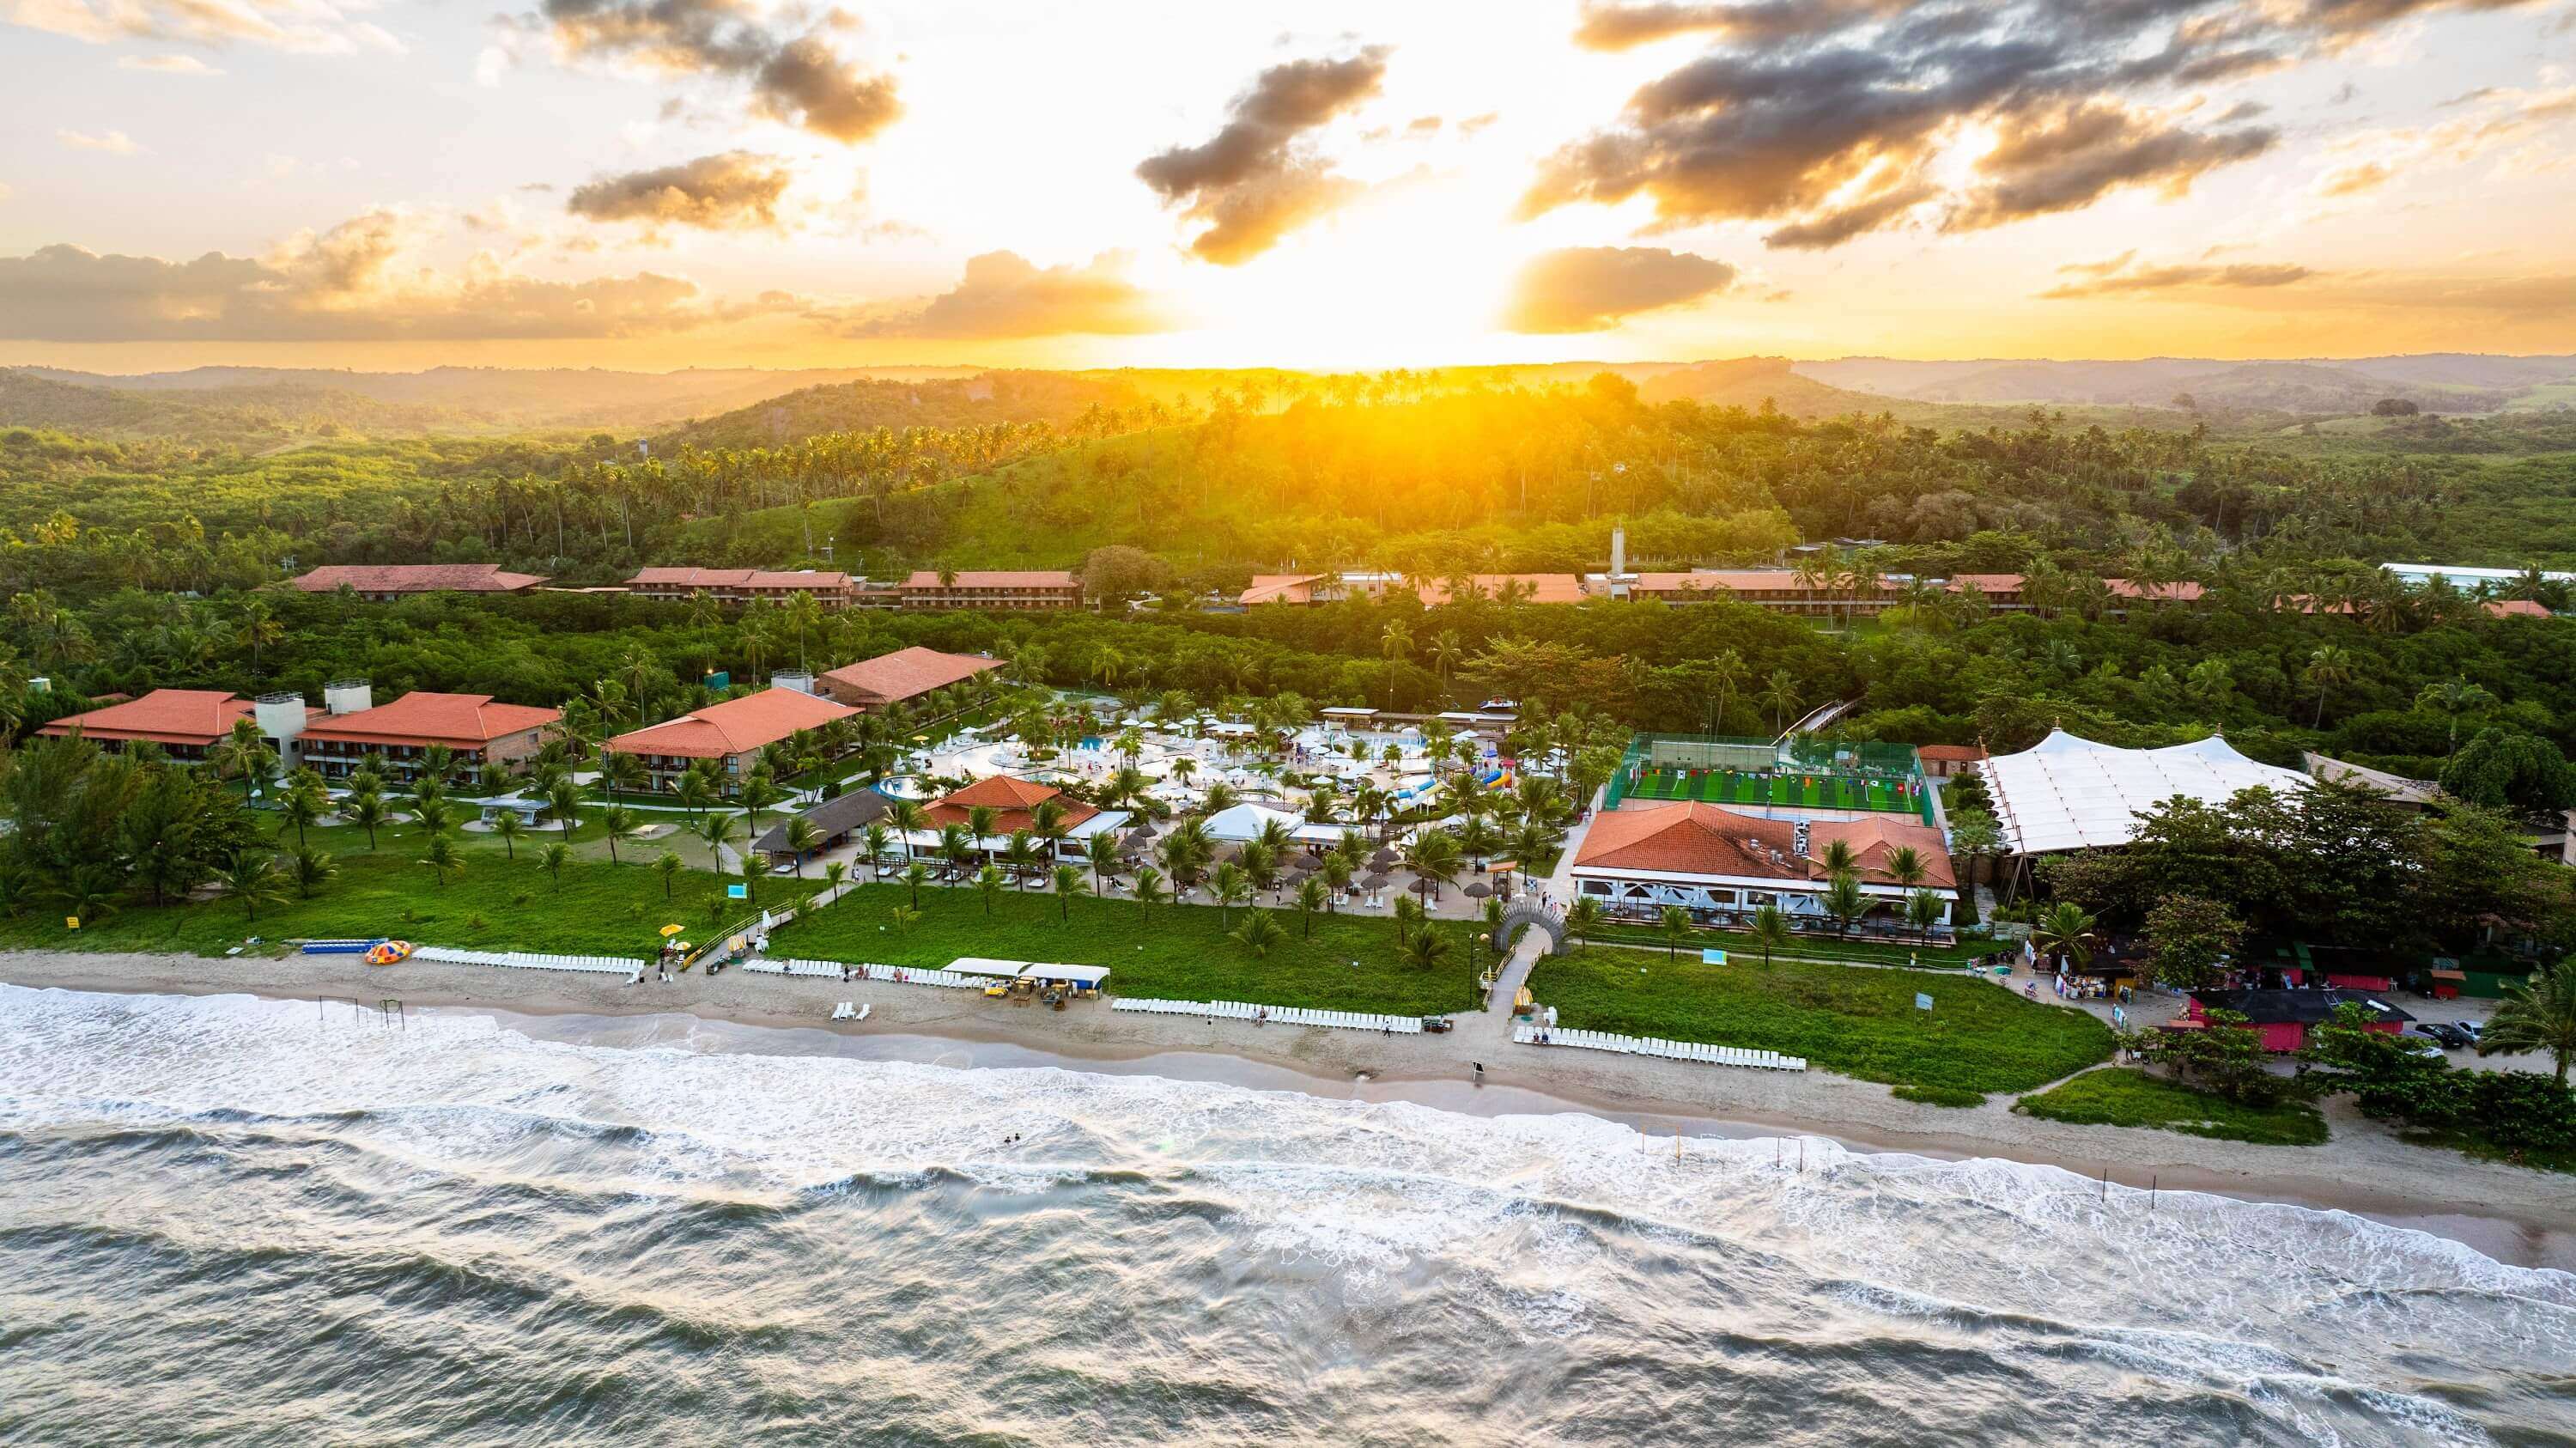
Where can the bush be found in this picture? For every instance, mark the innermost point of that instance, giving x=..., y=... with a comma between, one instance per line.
x=2119, y=1096
x=1939, y=1095
x=2513, y=1111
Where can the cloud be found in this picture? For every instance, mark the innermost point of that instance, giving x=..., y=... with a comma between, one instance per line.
x=1254, y=181
x=166, y=64
x=729, y=191
x=305, y=27
x=115, y=143
x=2497, y=119
x=1005, y=295
x=359, y=281
x=2070, y=160
x=1829, y=118
x=1593, y=288
x=2355, y=179
x=798, y=81
x=2120, y=276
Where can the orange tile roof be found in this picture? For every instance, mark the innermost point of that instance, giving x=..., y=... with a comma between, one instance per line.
x=742, y=578
x=1010, y=799
x=1967, y=752
x=1987, y=582
x=906, y=673
x=736, y=726
x=2516, y=608
x=1702, y=839
x=1280, y=588
x=1026, y=578
x=419, y=718
x=416, y=578
x=1538, y=587
x=164, y=716
x=2180, y=591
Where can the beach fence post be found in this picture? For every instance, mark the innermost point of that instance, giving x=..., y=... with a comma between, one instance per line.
x=393, y=1012
x=2152, y=1183
x=2106, y=1186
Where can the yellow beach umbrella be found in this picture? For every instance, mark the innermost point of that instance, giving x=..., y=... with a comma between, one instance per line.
x=670, y=930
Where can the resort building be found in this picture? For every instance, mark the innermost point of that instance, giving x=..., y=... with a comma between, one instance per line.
x=2284, y=1017
x=1949, y=761
x=835, y=820
x=734, y=732
x=476, y=732
x=1008, y=591
x=1312, y=588
x=732, y=586
x=1722, y=865
x=1504, y=588
x=187, y=723
x=890, y=679
x=382, y=582
x=1014, y=803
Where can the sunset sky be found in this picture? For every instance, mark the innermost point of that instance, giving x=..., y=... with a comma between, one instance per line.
x=666, y=183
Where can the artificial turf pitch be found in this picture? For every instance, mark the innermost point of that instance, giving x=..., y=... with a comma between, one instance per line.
x=1810, y=791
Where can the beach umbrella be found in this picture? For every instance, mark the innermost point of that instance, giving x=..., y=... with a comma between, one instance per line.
x=670, y=930
x=1383, y=858
x=1478, y=890
x=1374, y=882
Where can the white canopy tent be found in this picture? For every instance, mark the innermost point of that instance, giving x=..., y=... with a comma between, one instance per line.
x=2066, y=793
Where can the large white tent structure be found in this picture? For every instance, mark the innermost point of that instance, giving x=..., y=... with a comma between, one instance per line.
x=2066, y=793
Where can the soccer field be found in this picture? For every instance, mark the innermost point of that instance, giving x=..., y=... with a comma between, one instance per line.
x=1808, y=790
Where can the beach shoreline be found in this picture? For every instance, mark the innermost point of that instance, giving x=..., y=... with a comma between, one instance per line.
x=2510, y=1213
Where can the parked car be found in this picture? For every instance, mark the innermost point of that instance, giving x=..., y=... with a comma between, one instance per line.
x=2451, y=1036
x=2418, y=1046
x=2476, y=1030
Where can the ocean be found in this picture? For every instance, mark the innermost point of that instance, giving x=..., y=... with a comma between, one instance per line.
x=225, y=1220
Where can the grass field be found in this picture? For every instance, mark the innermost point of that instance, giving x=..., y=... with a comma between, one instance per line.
x=2120, y=1096
x=598, y=908
x=1857, y=1020
x=1171, y=952
x=1810, y=947
x=1807, y=791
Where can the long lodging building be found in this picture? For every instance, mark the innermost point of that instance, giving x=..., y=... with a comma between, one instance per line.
x=384, y=582
x=732, y=732
x=1016, y=590
x=352, y=731
x=900, y=676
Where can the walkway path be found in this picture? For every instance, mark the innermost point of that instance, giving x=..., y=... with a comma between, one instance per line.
x=1559, y=886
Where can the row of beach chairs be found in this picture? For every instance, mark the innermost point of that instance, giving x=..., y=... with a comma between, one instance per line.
x=530, y=960
x=851, y=1011
x=1284, y=1015
x=1528, y=1035
x=891, y=974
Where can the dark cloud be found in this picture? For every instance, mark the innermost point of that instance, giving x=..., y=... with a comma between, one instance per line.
x=2072, y=159
x=1806, y=113
x=1004, y=295
x=795, y=80
x=343, y=285
x=730, y=191
x=1255, y=181
x=1592, y=288
x=2120, y=276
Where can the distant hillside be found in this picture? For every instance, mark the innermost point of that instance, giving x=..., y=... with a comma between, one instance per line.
x=2441, y=382
x=1748, y=382
x=2308, y=387
x=253, y=416
x=986, y=397
x=504, y=397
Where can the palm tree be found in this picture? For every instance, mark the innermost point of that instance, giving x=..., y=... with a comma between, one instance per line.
x=668, y=865
x=1432, y=856
x=1770, y=930
x=1395, y=642
x=254, y=880
x=1725, y=674
x=803, y=838
x=695, y=792
x=1844, y=900
x=433, y=815
x=300, y=806
x=1022, y=852
x=368, y=811
x=1229, y=885
x=1312, y=895
x=1149, y=887
x=245, y=752
x=1408, y=914
x=1258, y=933
x=552, y=859
x=1100, y=852
x=2065, y=931
x=1426, y=951
x=439, y=856
x=2328, y=668
x=906, y=816
x=2539, y=1017
x=1677, y=926
x=313, y=870
x=915, y=876
x=988, y=883
x=1923, y=911
x=2455, y=696
x=1583, y=917
x=1068, y=883
x=565, y=800
x=1780, y=691
x=1839, y=858
x=1906, y=866
x=719, y=831
x=617, y=820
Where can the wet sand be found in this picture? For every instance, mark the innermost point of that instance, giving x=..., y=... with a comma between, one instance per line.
x=2509, y=1213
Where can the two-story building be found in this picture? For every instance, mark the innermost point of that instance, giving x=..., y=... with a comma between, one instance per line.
x=735, y=586
x=393, y=737
x=384, y=582
x=733, y=732
x=1008, y=590
x=905, y=674
x=186, y=723
x=1721, y=865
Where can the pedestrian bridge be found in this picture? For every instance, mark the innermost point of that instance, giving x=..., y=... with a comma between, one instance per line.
x=1526, y=914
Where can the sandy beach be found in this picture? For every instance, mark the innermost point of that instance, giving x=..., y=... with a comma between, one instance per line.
x=2508, y=1212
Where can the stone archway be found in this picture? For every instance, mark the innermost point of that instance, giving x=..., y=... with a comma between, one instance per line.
x=1531, y=913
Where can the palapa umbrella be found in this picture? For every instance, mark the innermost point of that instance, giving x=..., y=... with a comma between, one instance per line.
x=1478, y=890
x=1374, y=882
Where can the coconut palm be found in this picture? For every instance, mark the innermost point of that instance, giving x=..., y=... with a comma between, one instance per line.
x=1432, y=856
x=1923, y=911
x=1780, y=691
x=719, y=831
x=1229, y=885
x=1258, y=933
x=2454, y=697
x=2067, y=931
x=618, y=821
x=1677, y=928
x=368, y=811
x=1068, y=883
x=439, y=856
x=2328, y=669
x=915, y=876
x=2537, y=1017
x=988, y=883
x=1408, y=916
x=564, y=798
x=668, y=865
x=1583, y=917
x=1100, y=852
x=254, y=879
x=1312, y=895
x=804, y=837
x=957, y=844
x=1770, y=930
x=1906, y=866
x=1426, y=951
x=906, y=817
x=1844, y=900
x=312, y=870
x=1149, y=887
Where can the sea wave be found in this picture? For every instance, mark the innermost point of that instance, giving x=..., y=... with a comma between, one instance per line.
x=258, y=1220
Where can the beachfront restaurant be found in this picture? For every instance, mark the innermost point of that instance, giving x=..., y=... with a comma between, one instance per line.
x=1722, y=866
x=2284, y=1017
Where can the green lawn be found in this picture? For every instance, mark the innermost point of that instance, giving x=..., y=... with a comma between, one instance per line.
x=1812, y=790
x=1813, y=947
x=1172, y=952
x=2120, y=1096
x=1857, y=1020
x=598, y=908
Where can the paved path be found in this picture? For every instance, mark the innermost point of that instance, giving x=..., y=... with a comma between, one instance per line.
x=1526, y=951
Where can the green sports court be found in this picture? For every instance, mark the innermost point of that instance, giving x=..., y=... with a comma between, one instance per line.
x=1800, y=774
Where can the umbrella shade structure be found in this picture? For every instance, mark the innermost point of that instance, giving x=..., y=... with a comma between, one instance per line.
x=1374, y=882
x=1478, y=890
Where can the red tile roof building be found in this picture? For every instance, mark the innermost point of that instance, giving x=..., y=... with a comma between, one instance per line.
x=1011, y=801
x=904, y=674
x=1524, y=588
x=392, y=736
x=1719, y=863
x=186, y=722
x=378, y=582
x=734, y=732
x=1946, y=761
x=743, y=585
x=1009, y=590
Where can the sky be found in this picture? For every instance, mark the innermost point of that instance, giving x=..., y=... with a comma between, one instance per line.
x=655, y=184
